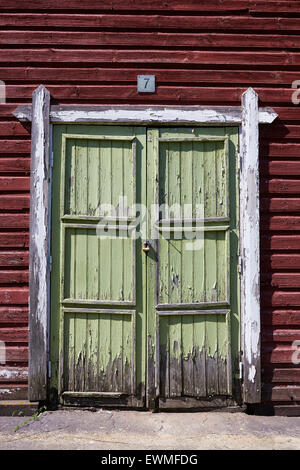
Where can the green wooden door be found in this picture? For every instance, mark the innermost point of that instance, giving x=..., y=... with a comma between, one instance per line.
x=97, y=294
x=131, y=327
x=193, y=282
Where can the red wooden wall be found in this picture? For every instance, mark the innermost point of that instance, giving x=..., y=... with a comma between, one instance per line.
x=202, y=52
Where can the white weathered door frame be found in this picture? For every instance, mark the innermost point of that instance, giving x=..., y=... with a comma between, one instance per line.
x=248, y=116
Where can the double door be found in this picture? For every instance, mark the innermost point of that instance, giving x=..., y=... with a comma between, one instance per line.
x=144, y=280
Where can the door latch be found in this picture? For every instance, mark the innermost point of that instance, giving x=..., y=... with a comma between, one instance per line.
x=146, y=247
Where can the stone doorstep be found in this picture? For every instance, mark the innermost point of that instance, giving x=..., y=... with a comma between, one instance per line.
x=18, y=408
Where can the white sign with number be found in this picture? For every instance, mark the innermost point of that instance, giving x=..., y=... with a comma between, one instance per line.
x=146, y=83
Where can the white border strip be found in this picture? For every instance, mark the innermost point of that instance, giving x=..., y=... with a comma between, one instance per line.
x=250, y=250
x=39, y=273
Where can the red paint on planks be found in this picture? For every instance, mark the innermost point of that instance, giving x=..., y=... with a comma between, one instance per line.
x=14, y=183
x=280, y=222
x=148, y=39
x=280, y=242
x=14, y=334
x=280, y=317
x=14, y=295
x=278, y=204
x=15, y=165
x=15, y=354
x=14, y=240
x=14, y=277
x=276, y=298
x=14, y=315
x=14, y=202
x=281, y=375
x=280, y=167
x=149, y=22
x=282, y=354
x=280, y=280
x=14, y=258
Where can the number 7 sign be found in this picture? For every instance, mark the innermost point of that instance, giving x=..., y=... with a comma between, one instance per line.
x=146, y=83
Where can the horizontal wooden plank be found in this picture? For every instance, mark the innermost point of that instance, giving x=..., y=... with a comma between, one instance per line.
x=14, y=202
x=11, y=128
x=17, y=354
x=277, y=222
x=280, y=336
x=280, y=204
x=278, y=298
x=282, y=354
x=120, y=56
x=256, y=6
x=15, y=165
x=66, y=74
x=280, y=242
x=275, y=149
x=14, y=183
x=280, y=131
x=280, y=280
x=14, y=334
x=14, y=295
x=131, y=5
x=280, y=375
x=14, y=258
x=153, y=22
x=14, y=240
x=15, y=146
x=151, y=39
x=276, y=317
x=292, y=409
x=281, y=261
x=288, y=113
x=14, y=277
x=274, y=6
x=9, y=374
x=17, y=221
x=14, y=392
x=281, y=393
x=7, y=109
x=14, y=315
x=281, y=186
x=278, y=167
x=163, y=95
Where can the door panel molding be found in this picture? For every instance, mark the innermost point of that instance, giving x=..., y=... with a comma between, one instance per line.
x=42, y=114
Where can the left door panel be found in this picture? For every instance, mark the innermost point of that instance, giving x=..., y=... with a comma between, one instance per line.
x=98, y=319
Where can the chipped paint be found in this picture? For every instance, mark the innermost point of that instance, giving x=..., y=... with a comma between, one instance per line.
x=38, y=248
x=171, y=115
x=153, y=114
x=194, y=373
x=250, y=282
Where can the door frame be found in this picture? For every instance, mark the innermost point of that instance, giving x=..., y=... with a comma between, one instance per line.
x=42, y=115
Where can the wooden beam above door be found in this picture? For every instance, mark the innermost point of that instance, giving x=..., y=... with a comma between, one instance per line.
x=179, y=115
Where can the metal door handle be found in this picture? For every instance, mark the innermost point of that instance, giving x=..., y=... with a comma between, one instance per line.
x=146, y=247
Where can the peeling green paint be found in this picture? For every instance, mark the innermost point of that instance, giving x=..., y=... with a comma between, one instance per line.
x=107, y=333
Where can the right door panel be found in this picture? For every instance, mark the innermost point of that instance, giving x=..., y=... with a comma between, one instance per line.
x=193, y=298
